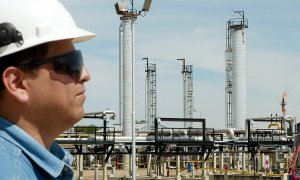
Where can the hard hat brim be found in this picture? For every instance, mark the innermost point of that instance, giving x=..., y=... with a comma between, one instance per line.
x=82, y=35
x=77, y=35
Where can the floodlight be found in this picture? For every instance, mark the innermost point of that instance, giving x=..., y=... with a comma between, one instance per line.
x=121, y=8
x=147, y=4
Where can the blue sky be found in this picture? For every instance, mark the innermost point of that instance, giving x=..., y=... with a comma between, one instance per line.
x=195, y=30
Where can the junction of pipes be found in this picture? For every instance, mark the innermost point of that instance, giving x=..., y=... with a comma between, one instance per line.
x=200, y=151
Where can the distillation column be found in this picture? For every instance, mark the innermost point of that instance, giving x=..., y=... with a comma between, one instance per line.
x=127, y=59
x=188, y=92
x=237, y=48
x=151, y=110
x=127, y=78
x=128, y=100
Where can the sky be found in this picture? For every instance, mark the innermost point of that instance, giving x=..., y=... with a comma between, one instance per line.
x=194, y=30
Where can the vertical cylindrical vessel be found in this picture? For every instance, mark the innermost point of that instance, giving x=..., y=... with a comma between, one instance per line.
x=239, y=76
x=127, y=75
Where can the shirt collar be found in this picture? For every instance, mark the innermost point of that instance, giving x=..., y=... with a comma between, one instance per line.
x=52, y=162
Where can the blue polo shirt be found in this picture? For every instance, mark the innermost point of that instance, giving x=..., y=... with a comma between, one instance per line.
x=23, y=158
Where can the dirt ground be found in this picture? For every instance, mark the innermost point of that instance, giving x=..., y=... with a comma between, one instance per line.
x=141, y=172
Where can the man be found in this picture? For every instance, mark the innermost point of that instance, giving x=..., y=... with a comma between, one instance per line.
x=41, y=87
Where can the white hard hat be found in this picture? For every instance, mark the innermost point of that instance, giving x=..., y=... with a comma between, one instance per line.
x=38, y=21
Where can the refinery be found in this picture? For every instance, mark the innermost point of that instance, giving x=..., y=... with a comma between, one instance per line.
x=261, y=148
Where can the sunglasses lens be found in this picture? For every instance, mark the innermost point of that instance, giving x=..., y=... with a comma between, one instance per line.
x=70, y=64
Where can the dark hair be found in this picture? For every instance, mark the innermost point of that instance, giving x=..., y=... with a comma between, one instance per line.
x=27, y=55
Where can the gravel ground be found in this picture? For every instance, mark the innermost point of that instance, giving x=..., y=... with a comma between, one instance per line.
x=141, y=172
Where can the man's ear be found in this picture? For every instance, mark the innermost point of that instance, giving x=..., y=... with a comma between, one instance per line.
x=13, y=80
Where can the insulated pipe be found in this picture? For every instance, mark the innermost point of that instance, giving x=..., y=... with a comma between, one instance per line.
x=275, y=138
x=165, y=132
x=231, y=133
x=128, y=139
x=171, y=132
x=145, y=139
x=247, y=128
x=283, y=149
x=166, y=139
x=180, y=131
x=276, y=118
x=290, y=119
x=168, y=131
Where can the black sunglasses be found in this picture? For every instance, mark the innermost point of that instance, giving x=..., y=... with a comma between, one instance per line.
x=69, y=64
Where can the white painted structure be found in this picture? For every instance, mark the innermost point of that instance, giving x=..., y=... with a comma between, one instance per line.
x=236, y=72
x=127, y=77
x=127, y=63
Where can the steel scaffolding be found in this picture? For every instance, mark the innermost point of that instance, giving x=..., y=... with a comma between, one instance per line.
x=188, y=92
x=151, y=95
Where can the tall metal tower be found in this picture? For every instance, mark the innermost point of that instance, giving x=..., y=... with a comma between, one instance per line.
x=236, y=72
x=127, y=63
x=151, y=95
x=188, y=92
x=127, y=60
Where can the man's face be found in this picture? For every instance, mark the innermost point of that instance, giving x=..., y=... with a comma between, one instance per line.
x=57, y=98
